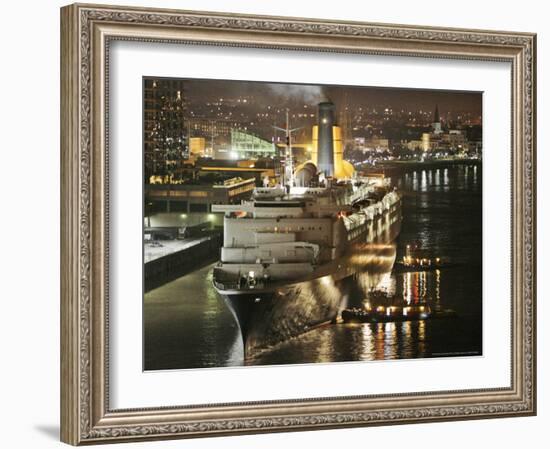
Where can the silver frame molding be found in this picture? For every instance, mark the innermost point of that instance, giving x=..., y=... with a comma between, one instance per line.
x=86, y=32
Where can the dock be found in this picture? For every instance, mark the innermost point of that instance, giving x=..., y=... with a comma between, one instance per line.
x=167, y=260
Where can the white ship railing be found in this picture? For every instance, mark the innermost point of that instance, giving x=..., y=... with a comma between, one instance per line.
x=369, y=213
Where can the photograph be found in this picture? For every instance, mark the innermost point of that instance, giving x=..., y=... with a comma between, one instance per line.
x=303, y=223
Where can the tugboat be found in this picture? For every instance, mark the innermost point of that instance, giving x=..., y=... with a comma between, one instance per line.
x=384, y=308
x=415, y=261
x=395, y=314
x=382, y=314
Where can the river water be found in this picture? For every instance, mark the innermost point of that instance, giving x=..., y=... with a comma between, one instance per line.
x=186, y=324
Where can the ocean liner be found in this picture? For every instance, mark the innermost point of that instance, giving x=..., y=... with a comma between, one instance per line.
x=288, y=252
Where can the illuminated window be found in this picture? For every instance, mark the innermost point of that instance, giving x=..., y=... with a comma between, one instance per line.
x=178, y=193
x=158, y=193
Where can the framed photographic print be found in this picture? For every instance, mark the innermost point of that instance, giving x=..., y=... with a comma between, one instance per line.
x=279, y=224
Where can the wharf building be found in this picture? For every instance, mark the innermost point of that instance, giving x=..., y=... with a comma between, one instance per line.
x=186, y=199
x=258, y=169
x=190, y=203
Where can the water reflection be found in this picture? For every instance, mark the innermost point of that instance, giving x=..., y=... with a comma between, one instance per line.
x=352, y=342
x=423, y=182
x=183, y=330
x=441, y=212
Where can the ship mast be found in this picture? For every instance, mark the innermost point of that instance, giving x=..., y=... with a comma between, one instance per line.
x=288, y=175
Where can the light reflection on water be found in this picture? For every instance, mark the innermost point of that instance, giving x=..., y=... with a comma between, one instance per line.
x=353, y=342
x=442, y=212
x=377, y=341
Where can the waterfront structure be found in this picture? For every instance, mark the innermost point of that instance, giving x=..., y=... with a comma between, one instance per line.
x=246, y=145
x=258, y=169
x=287, y=252
x=172, y=205
x=441, y=140
x=217, y=134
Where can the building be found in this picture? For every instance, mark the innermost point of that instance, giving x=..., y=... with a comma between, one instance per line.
x=436, y=125
x=378, y=143
x=165, y=137
x=455, y=140
x=245, y=145
x=438, y=139
x=244, y=168
x=414, y=145
x=197, y=147
x=172, y=205
x=217, y=134
x=426, y=142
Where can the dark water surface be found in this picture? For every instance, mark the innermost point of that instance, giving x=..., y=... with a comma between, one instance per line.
x=186, y=324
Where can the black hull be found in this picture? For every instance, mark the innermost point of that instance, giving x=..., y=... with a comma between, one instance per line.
x=270, y=318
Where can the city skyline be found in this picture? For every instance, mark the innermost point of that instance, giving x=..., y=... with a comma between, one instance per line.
x=225, y=119
x=199, y=92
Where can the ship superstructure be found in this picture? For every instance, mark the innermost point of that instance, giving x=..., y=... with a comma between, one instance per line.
x=286, y=251
x=277, y=237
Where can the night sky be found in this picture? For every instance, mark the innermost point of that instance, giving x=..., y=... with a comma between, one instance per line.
x=197, y=92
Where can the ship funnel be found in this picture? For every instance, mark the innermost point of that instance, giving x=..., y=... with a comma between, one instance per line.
x=325, y=150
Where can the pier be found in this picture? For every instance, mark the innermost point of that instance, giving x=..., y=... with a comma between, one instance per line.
x=170, y=259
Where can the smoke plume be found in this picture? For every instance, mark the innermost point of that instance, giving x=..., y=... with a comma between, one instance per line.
x=295, y=92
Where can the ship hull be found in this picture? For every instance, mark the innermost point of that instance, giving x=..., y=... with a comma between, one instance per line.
x=269, y=317
x=266, y=319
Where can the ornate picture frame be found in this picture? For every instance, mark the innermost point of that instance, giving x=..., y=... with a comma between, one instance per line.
x=86, y=34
